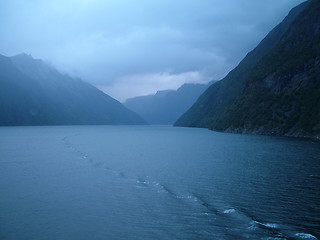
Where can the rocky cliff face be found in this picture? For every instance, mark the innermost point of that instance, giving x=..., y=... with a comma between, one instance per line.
x=280, y=94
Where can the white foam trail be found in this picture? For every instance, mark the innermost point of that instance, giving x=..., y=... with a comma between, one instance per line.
x=270, y=225
x=227, y=211
x=305, y=236
x=265, y=225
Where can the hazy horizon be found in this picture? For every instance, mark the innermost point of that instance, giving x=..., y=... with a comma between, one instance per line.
x=131, y=49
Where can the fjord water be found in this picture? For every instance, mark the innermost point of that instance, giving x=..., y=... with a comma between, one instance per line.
x=156, y=182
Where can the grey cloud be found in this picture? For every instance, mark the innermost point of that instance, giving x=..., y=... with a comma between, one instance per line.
x=104, y=41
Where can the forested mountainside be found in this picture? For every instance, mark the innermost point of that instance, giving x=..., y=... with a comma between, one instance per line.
x=275, y=90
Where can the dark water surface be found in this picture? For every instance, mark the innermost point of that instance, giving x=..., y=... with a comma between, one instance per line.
x=154, y=182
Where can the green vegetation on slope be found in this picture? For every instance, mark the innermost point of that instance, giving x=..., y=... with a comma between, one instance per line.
x=282, y=93
x=278, y=93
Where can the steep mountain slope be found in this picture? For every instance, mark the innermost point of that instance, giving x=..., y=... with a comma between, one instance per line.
x=18, y=106
x=275, y=89
x=33, y=93
x=165, y=107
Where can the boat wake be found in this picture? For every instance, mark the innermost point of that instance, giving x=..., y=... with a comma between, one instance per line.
x=222, y=220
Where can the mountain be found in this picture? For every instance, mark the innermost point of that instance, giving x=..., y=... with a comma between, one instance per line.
x=275, y=90
x=165, y=107
x=34, y=93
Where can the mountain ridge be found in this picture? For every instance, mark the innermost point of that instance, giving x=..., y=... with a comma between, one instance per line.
x=241, y=102
x=165, y=107
x=47, y=97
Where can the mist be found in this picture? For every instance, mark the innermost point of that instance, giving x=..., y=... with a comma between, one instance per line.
x=130, y=48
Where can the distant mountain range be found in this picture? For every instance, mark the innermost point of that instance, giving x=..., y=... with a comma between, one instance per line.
x=275, y=90
x=165, y=107
x=34, y=93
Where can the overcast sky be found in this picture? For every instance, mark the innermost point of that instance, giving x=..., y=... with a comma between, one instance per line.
x=136, y=47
